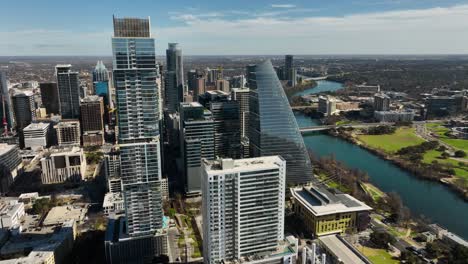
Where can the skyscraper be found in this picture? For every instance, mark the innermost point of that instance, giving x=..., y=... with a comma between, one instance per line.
x=174, y=85
x=24, y=109
x=6, y=108
x=288, y=67
x=273, y=130
x=69, y=91
x=50, y=98
x=135, y=76
x=100, y=73
x=381, y=102
x=92, y=122
x=242, y=97
x=197, y=142
x=242, y=207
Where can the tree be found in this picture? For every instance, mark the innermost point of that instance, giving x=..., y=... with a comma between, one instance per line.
x=458, y=255
x=409, y=258
x=382, y=239
x=460, y=154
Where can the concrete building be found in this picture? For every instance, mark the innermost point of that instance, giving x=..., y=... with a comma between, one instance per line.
x=11, y=213
x=92, y=120
x=68, y=85
x=273, y=129
x=196, y=141
x=113, y=204
x=5, y=99
x=213, y=75
x=242, y=207
x=112, y=168
x=327, y=105
x=68, y=133
x=242, y=97
x=238, y=82
x=36, y=135
x=50, y=98
x=61, y=164
x=325, y=213
x=10, y=166
x=447, y=105
x=122, y=249
x=341, y=251
x=394, y=116
x=381, y=102
x=288, y=67
x=223, y=85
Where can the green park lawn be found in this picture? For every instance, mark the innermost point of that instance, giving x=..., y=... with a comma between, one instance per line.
x=460, y=170
x=403, y=137
x=378, y=256
x=440, y=130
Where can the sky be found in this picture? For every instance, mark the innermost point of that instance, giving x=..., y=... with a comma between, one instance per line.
x=240, y=27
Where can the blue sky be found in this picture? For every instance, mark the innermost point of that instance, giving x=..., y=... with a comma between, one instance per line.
x=32, y=27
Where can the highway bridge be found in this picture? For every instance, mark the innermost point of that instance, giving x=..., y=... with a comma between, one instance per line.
x=327, y=127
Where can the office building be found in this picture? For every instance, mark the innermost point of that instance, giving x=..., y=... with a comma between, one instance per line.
x=197, y=143
x=223, y=85
x=24, y=108
x=394, y=116
x=92, y=122
x=10, y=166
x=439, y=105
x=192, y=76
x=174, y=81
x=237, y=81
x=288, y=67
x=50, y=98
x=68, y=133
x=36, y=135
x=6, y=108
x=326, y=213
x=242, y=97
x=60, y=164
x=273, y=129
x=199, y=88
x=68, y=85
x=135, y=76
x=242, y=207
x=327, y=105
x=381, y=102
x=100, y=73
x=226, y=123
x=213, y=75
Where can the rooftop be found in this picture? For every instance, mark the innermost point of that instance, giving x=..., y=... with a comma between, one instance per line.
x=319, y=201
x=36, y=126
x=61, y=214
x=111, y=198
x=91, y=99
x=213, y=166
x=341, y=250
x=4, y=148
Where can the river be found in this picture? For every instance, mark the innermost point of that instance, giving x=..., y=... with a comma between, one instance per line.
x=431, y=199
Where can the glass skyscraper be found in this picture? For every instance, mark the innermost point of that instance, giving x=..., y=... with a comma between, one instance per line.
x=174, y=81
x=68, y=85
x=273, y=129
x=137, y=92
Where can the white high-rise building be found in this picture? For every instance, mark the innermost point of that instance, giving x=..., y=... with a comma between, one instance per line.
x=243, y=207
x=35, y=135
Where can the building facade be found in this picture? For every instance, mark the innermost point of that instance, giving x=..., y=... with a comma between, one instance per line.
x=10, y=166
x=174, y=81
x=92, y=120
x=68, y=133
x=273, y=129
x=63, y=164
x=381, y=102
x=50, y=98
x=36, y=135
x=7, y=109
x=136, y=75
x=243, y=207
x=68, y=85
x=197, y=143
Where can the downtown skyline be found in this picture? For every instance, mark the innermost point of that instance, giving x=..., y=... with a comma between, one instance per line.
x=260, y=28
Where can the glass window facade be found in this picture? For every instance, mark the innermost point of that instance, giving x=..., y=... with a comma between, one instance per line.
x=273, y=130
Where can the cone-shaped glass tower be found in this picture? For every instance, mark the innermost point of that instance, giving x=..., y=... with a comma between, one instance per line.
x=273, y=129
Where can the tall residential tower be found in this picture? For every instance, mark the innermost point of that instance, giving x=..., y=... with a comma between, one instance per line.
x=69, y=91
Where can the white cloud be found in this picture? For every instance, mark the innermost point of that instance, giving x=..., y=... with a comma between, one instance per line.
x=422, y=31
x=283, y=6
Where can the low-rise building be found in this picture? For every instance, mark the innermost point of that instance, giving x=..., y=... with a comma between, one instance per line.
x=35, y=135
x=327, y=105
x=61, y=164
x=325, y=213
x=340, y=251
x=113, y=203
x=394, y=116
x=11, y=212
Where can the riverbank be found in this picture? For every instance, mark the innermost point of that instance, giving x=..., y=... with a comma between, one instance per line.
x=407, y=165
x=306, y=85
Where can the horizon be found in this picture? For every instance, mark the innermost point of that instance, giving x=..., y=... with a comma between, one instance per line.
x=337, y=27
